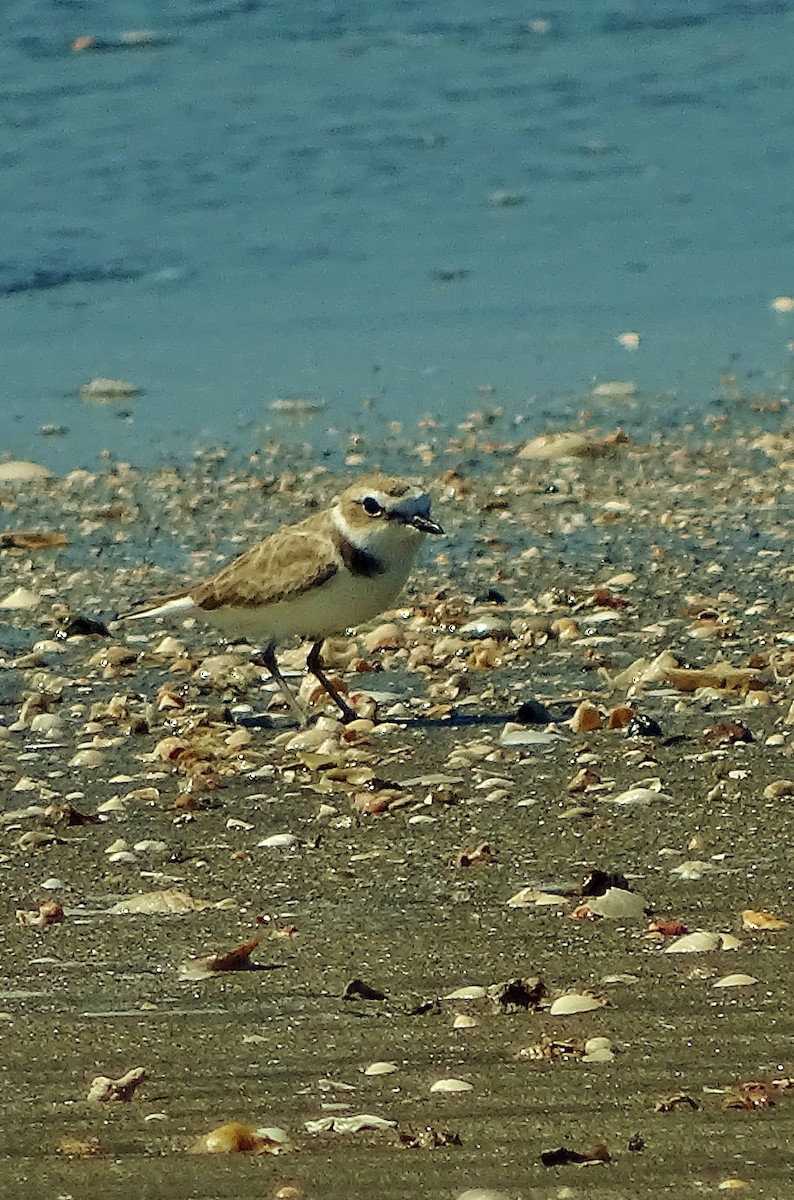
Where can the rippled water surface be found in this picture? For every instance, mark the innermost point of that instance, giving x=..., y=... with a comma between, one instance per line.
x=436, y=206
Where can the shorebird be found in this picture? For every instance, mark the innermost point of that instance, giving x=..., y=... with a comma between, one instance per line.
x=319, y=577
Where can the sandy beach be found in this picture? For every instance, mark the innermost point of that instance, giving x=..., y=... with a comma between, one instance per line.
x=574, y=752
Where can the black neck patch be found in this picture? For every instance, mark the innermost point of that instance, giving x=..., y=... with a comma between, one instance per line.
x=358, y=562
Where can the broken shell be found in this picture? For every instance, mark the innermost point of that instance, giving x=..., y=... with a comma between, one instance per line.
x=485, y=627
x=761, y=920
x=384, y=637
x=586, y=718
x=49, y=913
x=170, y=647
x=104, y=1089
x=730, y=941
x=234, y=1137
x=778, y=789
x=169, y=901
x=117, y=847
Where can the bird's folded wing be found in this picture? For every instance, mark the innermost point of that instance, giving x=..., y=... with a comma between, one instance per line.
x=279, y=568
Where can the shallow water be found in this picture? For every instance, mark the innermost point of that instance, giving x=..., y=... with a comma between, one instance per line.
x=296, y=200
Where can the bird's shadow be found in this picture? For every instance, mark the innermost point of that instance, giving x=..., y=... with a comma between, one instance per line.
x=452, y=720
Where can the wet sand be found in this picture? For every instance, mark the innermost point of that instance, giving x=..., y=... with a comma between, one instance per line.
x=556, y=576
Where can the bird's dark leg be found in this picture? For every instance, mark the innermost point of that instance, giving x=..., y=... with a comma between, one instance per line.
x=314, y=665
x=268, y=659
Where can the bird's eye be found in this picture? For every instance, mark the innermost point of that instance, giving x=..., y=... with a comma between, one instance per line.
x=371, y=506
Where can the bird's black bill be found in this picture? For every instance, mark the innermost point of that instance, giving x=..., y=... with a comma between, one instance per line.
x=424, y=524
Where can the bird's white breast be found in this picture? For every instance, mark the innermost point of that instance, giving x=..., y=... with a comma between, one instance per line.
x=341, y=602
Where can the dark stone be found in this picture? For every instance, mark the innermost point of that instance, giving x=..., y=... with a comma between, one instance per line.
x=532, y=712
x=598, y=882
x=642, y=726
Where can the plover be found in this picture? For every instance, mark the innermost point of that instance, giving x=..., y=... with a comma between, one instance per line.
x=321, y=576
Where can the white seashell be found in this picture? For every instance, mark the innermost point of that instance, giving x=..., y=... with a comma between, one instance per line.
x=737, y=980
x=52, y=884
x=20, y=598
x=170, y=646
x=618, y=903
x=464, y=1021
x=730, y=941
x=693, y=869
x=122, y=856
x=619, y=389
x=574, y=1002
x=46, y=723
x=519, y=735
x=530, y=897
x=114, y=804
x=597, y=1043
x=86, y=758
x=117, y=846
x=150, y=846
x=278, y=841
x=602, y=1054
x=19, y=469
x=451, y=1085
x=471, y=992
x=484, y=627
x=638, y=796
x=273, y=1133
x=348, y=1124
x=381, y=1068
x=478, y=1193
x=702, y=941
x=384, y=637
x=307, y=739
